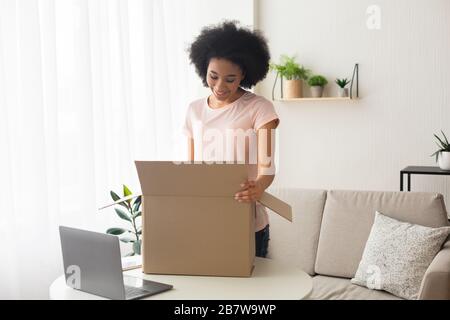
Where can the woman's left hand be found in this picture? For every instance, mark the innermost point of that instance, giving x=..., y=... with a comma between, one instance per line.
x=251, y=191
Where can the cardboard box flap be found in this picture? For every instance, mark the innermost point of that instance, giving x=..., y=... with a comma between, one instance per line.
x=278, y=206
x=190, y=179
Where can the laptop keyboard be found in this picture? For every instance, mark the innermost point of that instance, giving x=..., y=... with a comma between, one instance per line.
x=132, y=292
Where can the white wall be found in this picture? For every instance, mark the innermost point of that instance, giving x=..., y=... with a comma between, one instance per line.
x=404, y=90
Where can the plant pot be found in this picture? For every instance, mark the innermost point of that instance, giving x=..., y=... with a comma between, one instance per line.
x=292, y=89
x=444, y=160
x=343, y=92
x=316, y=91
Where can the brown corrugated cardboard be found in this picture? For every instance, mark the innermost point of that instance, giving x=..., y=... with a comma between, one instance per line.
x=191, y=223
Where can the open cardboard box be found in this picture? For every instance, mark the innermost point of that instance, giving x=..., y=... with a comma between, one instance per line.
x=191, y=223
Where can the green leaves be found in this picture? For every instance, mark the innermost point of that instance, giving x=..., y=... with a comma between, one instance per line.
x=137, y=214
x=114, y=195
x=446, y=141
x=290, y=69
x=132, y=212
x=115, y=198
x=115, y=231
x=122, y=214
x=126, y=191
x=342, y=82
x=436, y=154
x=442, y=144
x=317, y=80
x=137, y=204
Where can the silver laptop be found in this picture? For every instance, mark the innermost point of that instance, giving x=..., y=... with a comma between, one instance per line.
x=92, y=263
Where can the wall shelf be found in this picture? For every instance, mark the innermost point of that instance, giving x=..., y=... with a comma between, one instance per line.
x=354, y=86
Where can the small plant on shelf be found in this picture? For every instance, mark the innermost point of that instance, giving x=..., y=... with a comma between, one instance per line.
x=317, y=82
x=290, y=69
x=443, y=153
x=293, y=73
x=342, y=91
x=342, y=82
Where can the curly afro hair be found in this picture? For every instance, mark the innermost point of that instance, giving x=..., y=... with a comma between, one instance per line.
x=245, y=48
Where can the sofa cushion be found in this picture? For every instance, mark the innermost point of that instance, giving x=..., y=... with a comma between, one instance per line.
x=397, y=254
x=436, y=281
x=332, y=288
x=296, y=243
x=348, y=217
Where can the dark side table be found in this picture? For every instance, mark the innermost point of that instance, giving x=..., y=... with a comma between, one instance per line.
x=420, y=170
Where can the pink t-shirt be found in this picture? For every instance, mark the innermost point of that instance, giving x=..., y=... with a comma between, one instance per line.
x=228, y=134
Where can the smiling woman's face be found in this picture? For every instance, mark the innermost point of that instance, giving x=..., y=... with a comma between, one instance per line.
x=223, y=78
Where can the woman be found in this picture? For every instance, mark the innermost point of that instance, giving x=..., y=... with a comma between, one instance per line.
x=233, y=124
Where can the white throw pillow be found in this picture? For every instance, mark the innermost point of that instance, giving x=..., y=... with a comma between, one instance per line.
x=397, y=254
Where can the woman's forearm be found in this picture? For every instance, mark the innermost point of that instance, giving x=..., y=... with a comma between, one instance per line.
x=190, y=149
x=265, y=180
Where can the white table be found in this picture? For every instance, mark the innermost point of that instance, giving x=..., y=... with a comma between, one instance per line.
x=270, y=280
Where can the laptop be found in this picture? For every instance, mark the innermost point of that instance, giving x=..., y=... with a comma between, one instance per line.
x=92, y=263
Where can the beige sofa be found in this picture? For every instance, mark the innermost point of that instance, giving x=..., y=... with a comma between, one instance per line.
x=330, y=230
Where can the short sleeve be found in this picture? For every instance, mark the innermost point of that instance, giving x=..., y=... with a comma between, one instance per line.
x=264, y=112
x=187, y=127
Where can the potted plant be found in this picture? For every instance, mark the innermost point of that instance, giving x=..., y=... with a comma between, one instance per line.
x=342, y=90
x=131, y=215
x=443, y=153
x=317, y=82
x=293, y=73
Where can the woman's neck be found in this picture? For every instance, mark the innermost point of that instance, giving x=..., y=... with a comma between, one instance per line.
x=216, y=104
